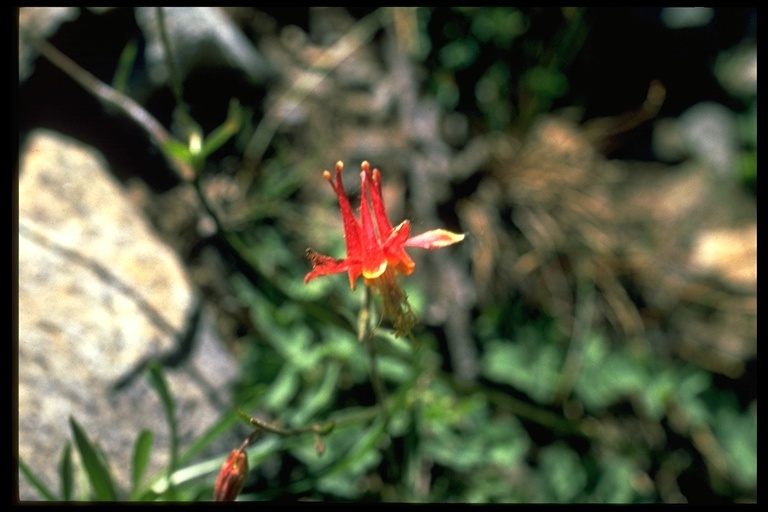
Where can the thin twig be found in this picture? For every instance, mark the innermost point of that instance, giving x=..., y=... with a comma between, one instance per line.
x=157, y=133
x=187, y=123
x=173, y=74
x=580, y=332
x=366, y=336
x=263, y=426
x=275, y=429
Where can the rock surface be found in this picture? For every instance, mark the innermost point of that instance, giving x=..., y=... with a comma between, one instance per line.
x=99, y=297
x=200, y=36
x=39, y=22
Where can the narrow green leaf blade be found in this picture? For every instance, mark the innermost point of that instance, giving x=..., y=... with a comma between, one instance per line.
x=223, y=133
x=125, y=65
x=95, y=468
x=66, y=472
x=156, y=379
x=178, y=151
x=35, y=482
x=141, y=451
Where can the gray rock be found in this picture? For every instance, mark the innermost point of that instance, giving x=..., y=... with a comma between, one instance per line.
x=199, y=37
x=711, y=133
x=669, y=141
x=39, y=23
x=99, y=297
x=707, y=132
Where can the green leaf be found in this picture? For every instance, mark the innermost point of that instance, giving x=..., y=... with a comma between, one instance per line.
x=501, y=25
x=546, y=82
x=223, y=133
x=394, y=369
x=562, y=473
x=530, y=368
x=459, y=54
x=343, y=477
x=156, y=379
x=175, y=150
x=125, y=65
x=506, y=442
x=318, y=397
x=35, y=482
x=615, y=484
x=66, y=472
x=737, y=433
x=445, y=88
x=748, y=166
x=283, y=390
x=141, y=452
x=96, y=467
x=608, y=376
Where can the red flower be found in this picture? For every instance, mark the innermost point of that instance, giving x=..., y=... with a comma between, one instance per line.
x=232, y=477
x=375, y=249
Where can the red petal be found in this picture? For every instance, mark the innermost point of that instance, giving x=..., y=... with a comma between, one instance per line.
x=374, y=261
x=394, y=248
x=379, y=211
x=323, y=265
x=399, y=235
x=351, y=226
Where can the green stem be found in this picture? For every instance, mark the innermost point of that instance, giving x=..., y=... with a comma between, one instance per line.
x=157, y=133
x=173, y=75
x=275, y=429
x=580, y=333
x=126, y=105
x=189, y=127
x=365, y=335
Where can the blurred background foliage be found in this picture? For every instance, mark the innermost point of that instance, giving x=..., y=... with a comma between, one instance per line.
x=565, y=406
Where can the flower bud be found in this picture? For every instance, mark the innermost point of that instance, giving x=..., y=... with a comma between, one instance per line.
x=232, y=477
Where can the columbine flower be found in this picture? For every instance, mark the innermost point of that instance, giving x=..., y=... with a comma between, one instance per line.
x=375, y=249
x=232, y=477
